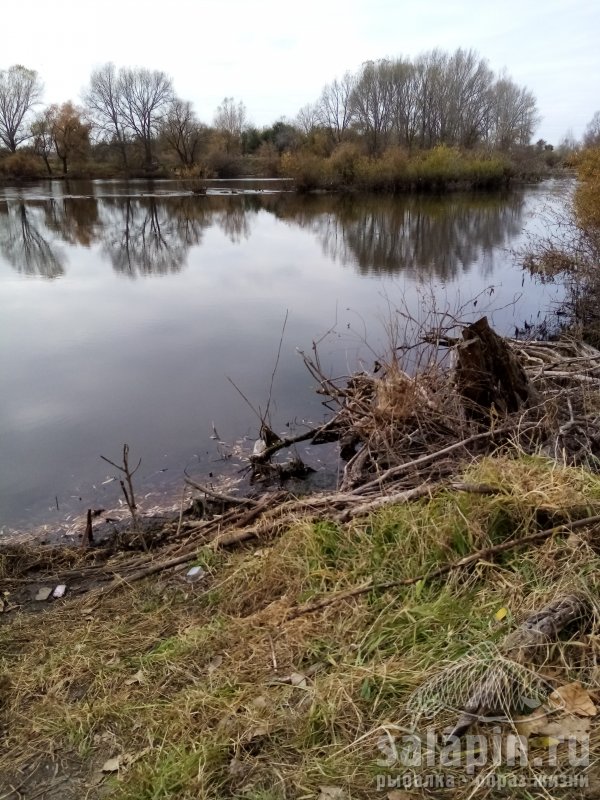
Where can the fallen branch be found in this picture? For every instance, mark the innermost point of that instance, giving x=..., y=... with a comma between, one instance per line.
x=479, y=555
x=282, y=444
x=408, y=495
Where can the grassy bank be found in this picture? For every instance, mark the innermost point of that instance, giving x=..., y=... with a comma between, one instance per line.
x=211, y=690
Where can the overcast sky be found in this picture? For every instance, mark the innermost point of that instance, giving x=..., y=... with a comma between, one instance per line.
x=276, y=56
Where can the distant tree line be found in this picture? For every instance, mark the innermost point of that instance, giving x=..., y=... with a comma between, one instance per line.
x=130, y=120
x=439, y=98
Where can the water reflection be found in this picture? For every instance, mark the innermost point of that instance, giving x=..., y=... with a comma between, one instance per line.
x=23, y=242
x=75, y=220
x=140, y=237
x=433, y=236
x=235, y=217
x=147, y=234
x=147, y=362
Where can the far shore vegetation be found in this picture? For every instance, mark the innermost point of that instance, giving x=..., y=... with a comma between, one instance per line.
x=437, y=122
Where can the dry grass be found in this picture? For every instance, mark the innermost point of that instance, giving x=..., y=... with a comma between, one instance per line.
x=207, y=692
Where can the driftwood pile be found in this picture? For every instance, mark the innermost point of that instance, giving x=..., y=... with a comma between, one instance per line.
x=406, y=429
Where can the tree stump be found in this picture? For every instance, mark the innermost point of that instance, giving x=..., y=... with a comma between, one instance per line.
x=488, y=374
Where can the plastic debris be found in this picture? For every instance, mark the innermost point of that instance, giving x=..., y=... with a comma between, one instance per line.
x=259, y=448
x=195, y=574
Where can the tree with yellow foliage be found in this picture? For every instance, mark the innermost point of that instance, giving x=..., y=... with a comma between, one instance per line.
x=69, y=131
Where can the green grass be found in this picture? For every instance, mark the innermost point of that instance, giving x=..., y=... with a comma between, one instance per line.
x=216, y=714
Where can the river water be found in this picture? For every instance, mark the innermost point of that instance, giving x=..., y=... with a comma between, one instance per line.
x=129, y=310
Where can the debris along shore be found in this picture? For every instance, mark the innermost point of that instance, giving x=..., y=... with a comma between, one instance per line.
x=292, y=634
x=401, y=437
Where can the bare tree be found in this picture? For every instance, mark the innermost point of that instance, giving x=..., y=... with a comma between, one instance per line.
x=591, y=137
x=439, y=98
x=513, y=115
x=231, y=119
x=183, y=132
x=103, y=103
x=335, y=106
x=308, y=118
x=372, y=103
x=430, y=74
x=568, y=143
x=466, y=99
x=20, y=90
x=144, y=97
x=403, y=101
x=41, y=132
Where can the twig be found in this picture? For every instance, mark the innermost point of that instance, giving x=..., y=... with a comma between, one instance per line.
x=266, y=415
x=243, y=396
x=180, y=520
x=220, y=496
x=128, y=490
x=88, y=536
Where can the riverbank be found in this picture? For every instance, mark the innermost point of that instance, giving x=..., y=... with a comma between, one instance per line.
x=316, y=631
x=347, y=168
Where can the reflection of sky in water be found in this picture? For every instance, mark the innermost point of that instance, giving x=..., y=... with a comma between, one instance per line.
x=121, y=318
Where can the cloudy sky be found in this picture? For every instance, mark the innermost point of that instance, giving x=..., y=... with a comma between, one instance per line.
x=276, y=56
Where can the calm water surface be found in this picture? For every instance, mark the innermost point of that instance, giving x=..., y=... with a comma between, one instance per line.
x=125, y=308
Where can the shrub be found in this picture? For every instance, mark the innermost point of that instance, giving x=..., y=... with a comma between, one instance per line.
x=394, y=170
x=221, y=164
x=21, y=165
x=268, y=160
x=309, y=171
x=344, y=162
x=388, y=173
x=587, y=197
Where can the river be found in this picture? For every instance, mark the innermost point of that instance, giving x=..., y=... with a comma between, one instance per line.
x=129, y=310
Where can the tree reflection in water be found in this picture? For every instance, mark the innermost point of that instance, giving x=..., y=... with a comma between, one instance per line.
x=139, y=238
x=426, y=236
x=151, y=234
x=75, y=219
x=235, y=216
x=23, y=244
